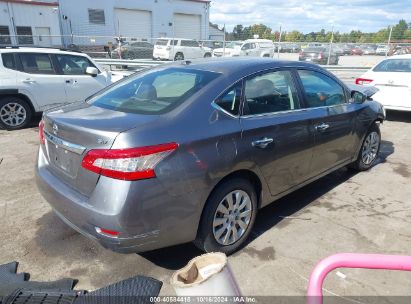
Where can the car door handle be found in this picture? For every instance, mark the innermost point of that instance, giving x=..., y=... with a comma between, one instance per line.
x=322, y=127
x=262, y=143
x=28, y=80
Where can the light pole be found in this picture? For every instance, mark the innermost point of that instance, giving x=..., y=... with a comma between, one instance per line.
x=331, y=45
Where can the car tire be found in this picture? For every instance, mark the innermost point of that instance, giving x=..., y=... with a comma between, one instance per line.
x=207, y=55
x=369, y=150
x=179, y=56
x=219, y=220
x=15, y=113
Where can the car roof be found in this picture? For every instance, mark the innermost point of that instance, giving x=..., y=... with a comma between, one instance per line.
x=240, y=66
x=404, y=56
x=258, y=40
x=38, y=50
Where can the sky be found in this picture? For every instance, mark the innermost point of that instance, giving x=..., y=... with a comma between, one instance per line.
x=311, y=16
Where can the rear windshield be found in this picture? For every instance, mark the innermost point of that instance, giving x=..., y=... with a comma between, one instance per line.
x=314, y=50
x=162, y=42
x=394, y=65
x=155, y=92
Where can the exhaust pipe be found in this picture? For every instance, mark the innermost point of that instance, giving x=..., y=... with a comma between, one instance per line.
x=207, y=275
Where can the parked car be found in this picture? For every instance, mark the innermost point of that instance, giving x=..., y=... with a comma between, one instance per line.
x=133, y=50
x=392, y=78
x=382, y=49
x=179, y=49
x=290, y=48
x=231, y=49
x=190, y=152
x=368, y=50
x=318, y=55
x=34, y=79
x=257, y=48
x=357, y=51
x=346, y=49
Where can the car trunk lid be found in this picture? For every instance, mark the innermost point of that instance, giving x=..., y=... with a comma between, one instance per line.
x=70, y=132
x=394, y=88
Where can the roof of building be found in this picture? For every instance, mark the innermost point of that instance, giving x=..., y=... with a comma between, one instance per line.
x=39, y=2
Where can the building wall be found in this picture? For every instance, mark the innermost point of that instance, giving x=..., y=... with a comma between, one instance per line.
x=162, y=17
x=215, y=34
x=33, y=16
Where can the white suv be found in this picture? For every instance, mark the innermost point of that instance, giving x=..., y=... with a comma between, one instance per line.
x=257, y=48
x=34, y=79
x=179, y=49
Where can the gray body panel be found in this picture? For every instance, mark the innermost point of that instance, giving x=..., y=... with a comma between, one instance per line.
x=213, y=145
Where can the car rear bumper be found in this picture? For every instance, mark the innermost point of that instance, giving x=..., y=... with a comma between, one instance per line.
x=146, y=223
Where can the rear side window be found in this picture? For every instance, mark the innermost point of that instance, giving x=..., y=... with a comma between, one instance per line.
x=73, y=65
x=230, y=100
x=269, y=93
x=189, y=43
x=8, y=61
x=321, y=90
x=154, y=92
x=36, y=63
x=394, y=65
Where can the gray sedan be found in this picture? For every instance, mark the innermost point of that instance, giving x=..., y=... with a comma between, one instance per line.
x=190, y=151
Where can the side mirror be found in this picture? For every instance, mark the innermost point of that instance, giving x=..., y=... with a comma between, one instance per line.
x=91, y=71
x=358, y=97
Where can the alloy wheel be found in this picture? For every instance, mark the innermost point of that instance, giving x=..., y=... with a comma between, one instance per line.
x=370, y=148
x=232, y=217
x=13, y=114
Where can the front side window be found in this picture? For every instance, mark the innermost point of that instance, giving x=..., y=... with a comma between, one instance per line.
x=230, y=100
x=189, y=43
x=154, y=92
x=269, y=93
x=36, y=63
x=321, y=90
x=394, y=65
x=73, y=65
x=245, y=47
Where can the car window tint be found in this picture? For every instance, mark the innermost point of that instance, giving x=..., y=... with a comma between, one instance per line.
x=8, y=61
x=36, y=63
x=321, y=90
x=394, y=65
x=153, y=92
x=230, y=100
x=73, y=65
x=270, y=92
x=174, y=84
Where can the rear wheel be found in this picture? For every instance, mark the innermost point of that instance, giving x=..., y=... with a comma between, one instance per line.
x=369, y=149
x=15, y=113
x=228, y=217
x=179, y=56
x=207, y=55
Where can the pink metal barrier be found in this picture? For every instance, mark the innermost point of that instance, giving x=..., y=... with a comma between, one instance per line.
x=351, y=260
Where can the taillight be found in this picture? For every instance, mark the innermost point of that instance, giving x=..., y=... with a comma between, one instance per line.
x=41, y=132
x=362, y=81
x=320, y=56
x=127, y=164
x=107, y=232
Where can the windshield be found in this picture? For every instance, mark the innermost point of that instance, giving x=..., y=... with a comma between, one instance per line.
x=394, y=65
x=232, y=45
x=154, y=92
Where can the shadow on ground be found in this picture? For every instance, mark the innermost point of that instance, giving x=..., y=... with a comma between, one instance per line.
x=399, y=116
x=270, y=216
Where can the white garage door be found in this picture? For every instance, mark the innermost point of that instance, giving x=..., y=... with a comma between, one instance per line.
x=133, y=23
x=187, y=26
